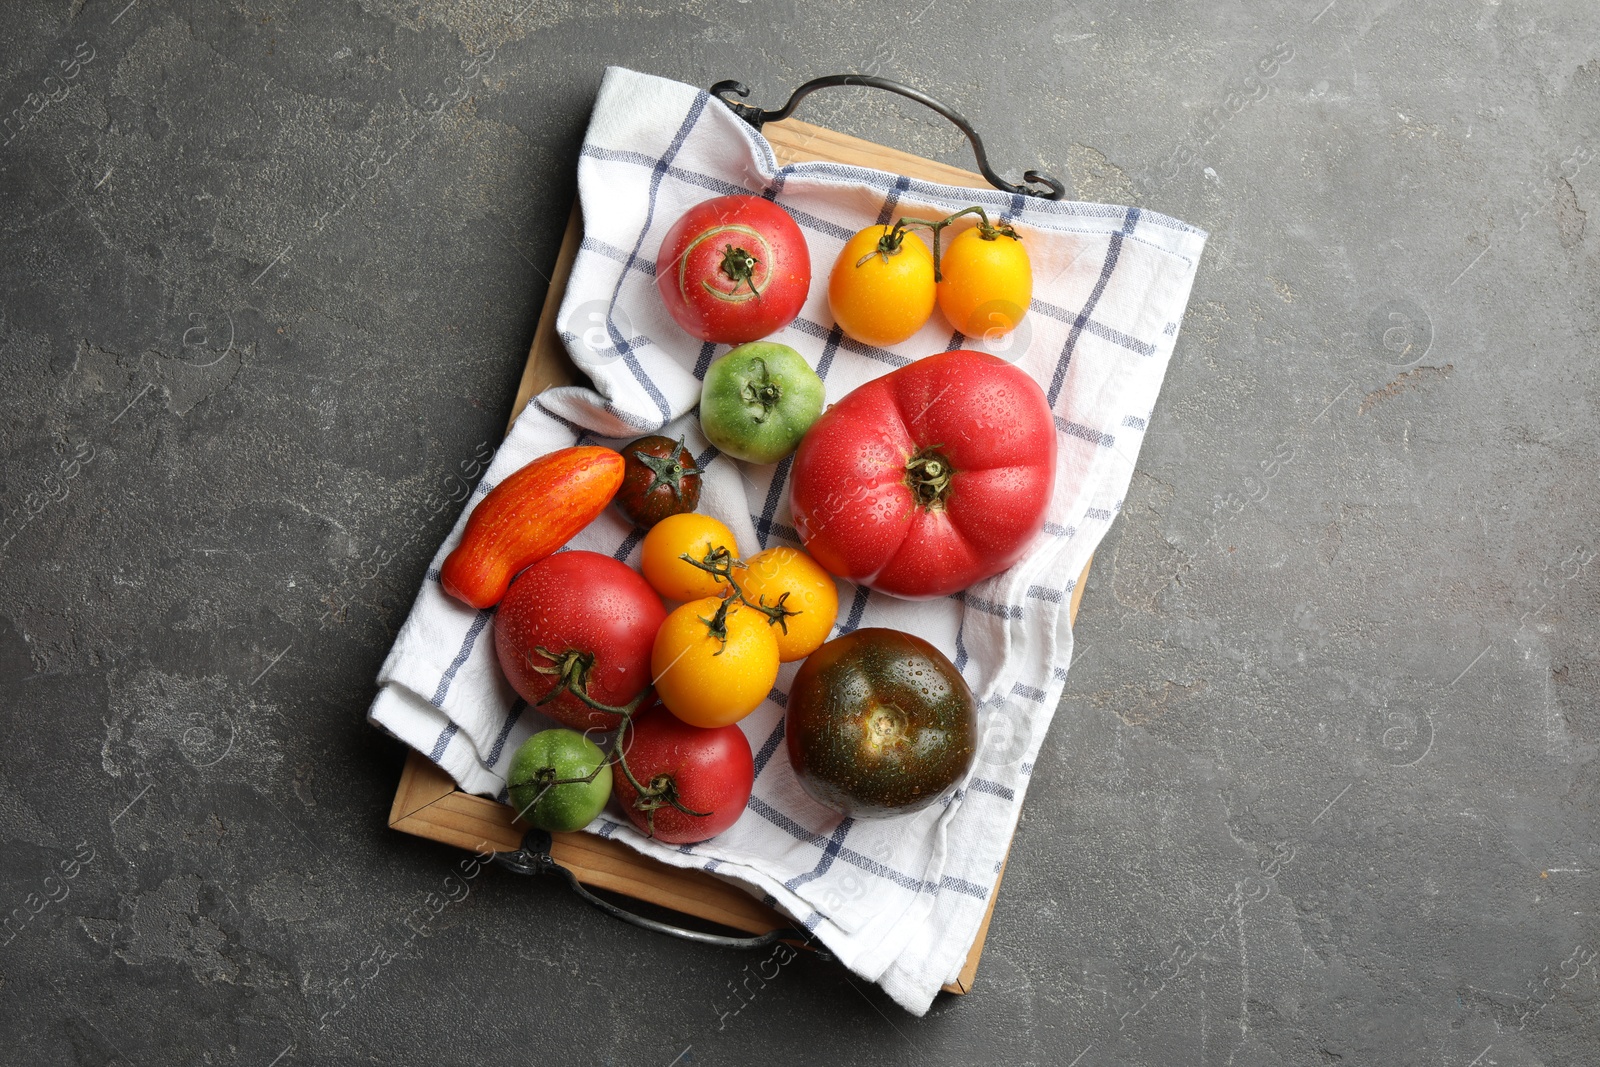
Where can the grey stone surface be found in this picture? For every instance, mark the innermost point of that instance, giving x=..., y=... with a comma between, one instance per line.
x=1324, y=785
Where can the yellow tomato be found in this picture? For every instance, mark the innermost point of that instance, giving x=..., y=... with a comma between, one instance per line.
x=793, y=579
x=698, y=536
x=881, y=299
x=714, y=661
x=986, y=283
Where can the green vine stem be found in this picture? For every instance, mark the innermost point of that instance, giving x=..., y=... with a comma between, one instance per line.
x=720, y=563
x=572, y=668
x=986, y=230
x=545, y=778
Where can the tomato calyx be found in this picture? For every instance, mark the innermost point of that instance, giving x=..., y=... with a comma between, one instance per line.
x=662, y=792
x=763, y=392
x=986, y=231
x=740, y=265
x=777, y=613
x=571, y=669
x=888, y=245
x=667, y=471
x=717, y=625
x=928, y=475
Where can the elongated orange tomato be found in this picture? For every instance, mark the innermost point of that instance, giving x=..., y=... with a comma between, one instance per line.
x=532, y=513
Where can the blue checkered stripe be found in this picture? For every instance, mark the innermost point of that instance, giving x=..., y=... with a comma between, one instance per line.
x=1102, y=329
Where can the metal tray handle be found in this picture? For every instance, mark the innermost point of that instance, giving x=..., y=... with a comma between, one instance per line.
x=1052, y=189
x=534, y=858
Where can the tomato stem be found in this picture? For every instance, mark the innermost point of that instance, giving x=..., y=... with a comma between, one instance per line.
x=720, y=563
x=765, y=392
x=740, y=265
x=661, y=792
x=986, y=231
x=573, y=667
x=888, y=245
x=717, y=625
x=778, y=612
x=545, y=778
x=928, y=475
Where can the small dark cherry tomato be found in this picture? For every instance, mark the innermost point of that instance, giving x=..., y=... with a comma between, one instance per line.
x=659, y=478
x=879, y=723
x=696, y=782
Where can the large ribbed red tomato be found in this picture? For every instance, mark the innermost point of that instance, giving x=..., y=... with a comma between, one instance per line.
x=584, y=622
x=928, y=479
x=734, y=269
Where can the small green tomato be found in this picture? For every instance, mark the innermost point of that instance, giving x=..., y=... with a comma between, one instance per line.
x=559, y=780
x=758, y=401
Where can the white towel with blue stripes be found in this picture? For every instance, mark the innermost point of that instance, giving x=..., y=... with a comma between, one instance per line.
x=899, y=901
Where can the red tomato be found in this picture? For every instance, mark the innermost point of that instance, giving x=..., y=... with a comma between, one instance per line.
x=706, y=771
x=734, y=269
x=597, y=620
x=928, y=479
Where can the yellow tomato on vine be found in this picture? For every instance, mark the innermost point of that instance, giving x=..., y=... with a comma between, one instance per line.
x=698, y=536
x=986, y=281
x=714, y=661
x=788, y=578
x=882, y=288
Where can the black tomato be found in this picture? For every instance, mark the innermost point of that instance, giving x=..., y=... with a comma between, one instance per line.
x=880, y=723
x=659, y=478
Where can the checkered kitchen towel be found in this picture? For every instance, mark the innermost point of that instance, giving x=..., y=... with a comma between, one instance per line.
x=898, y=900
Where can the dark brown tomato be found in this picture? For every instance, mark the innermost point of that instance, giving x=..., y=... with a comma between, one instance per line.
x=880, y=723
x=659, y=478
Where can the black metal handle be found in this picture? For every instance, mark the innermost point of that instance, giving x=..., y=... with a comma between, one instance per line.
x=534, y=858
x=756, y=117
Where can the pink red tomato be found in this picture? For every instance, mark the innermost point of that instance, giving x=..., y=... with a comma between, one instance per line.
x=734, y=269
x=578, y=619
x=928, y=479
x=706, y=771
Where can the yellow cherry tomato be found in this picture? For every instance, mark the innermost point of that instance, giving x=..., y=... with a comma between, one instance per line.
x=882, y=298
x=986, y=283
x=714, y=661
x=791, y=579
x=699, y=536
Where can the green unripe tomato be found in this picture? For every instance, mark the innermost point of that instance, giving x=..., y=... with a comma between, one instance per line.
x=758, y=401
x=546, y=781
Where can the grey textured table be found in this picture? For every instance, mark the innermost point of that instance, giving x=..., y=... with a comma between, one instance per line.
x=1324, y=785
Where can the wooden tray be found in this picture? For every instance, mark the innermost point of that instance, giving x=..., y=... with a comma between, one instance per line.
x=429, y=805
